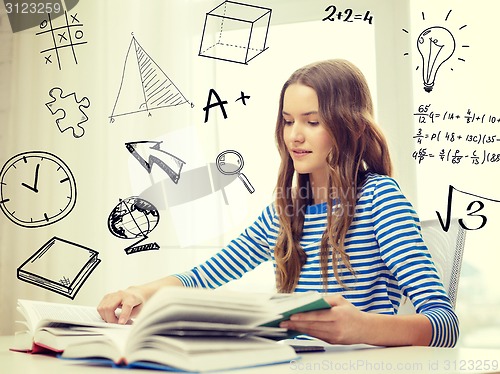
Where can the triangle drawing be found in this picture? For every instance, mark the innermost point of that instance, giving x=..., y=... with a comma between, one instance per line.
x=144, y=85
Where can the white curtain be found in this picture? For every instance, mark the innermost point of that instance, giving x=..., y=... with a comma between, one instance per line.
x=98, y=159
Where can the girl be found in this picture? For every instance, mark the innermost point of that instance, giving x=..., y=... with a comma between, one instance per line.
x=339, y=225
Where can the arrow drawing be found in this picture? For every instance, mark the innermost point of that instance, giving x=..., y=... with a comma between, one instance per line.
x=169, y=163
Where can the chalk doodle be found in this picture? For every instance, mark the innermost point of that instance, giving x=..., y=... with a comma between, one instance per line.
x=36, y=189
x=347, y=15
x=430, y=135
x=144, y=86
x=220, y=40
x=69, y=111
x=134, y=218
x=220, y=103
x=230, y=162
x=59, y=266
x=454, y=137
x=436, y=45
x=457, y=156
x=473, y=208
x=425, y=115
x=64, y=37
x=149, y=153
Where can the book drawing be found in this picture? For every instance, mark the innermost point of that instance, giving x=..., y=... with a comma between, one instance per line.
x=59, y=266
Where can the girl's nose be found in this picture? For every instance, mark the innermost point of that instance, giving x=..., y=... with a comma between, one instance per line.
x=297, y=134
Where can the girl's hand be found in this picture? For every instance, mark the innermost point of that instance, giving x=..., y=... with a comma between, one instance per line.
x=343, y=323
x=130, y=301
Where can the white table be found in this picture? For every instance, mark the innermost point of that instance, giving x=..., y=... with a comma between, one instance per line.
x=373, y=360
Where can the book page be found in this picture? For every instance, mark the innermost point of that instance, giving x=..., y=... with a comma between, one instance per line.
x=110, y=345
x=37, y=311
x=207, y=297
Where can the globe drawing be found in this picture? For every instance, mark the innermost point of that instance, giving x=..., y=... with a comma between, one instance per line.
x=134, y=218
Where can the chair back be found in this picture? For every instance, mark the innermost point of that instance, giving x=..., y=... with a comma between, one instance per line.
x=446, y=249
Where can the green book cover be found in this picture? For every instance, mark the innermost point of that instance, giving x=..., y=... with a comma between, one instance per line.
x=315, y=305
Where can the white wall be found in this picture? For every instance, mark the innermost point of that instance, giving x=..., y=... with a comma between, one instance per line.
x=468, y=80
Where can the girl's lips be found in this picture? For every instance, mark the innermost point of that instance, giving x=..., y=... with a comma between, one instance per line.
x=300, y=152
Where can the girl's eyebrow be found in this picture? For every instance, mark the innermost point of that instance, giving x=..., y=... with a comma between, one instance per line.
x=303, y=114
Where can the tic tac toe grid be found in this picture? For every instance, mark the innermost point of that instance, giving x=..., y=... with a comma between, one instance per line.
x=235, y=32
x=66, y=36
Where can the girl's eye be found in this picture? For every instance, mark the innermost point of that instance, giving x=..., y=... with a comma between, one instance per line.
x=287, y=123
x=313, y=123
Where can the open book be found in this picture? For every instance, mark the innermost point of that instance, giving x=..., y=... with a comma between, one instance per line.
x=187, y=329
x=50, y=327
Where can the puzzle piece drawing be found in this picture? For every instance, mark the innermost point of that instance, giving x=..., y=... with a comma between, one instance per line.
x=71, y=114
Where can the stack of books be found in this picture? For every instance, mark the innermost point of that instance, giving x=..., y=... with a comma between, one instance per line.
x=179, y=328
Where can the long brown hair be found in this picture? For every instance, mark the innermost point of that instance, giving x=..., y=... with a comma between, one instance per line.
x=358, y=147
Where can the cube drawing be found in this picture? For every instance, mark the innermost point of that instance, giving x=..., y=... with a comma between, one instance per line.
x=235, y=32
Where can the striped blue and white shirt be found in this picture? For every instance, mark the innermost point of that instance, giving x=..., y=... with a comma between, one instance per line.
x=385, y=248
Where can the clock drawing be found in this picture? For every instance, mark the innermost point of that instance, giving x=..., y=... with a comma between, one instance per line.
x=36, y=189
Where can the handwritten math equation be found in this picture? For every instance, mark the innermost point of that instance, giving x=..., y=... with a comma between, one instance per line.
x=346, y=15
x=457, y=156
x=458, y=143
x=454, y=137
x=474, y=220
x=426, y=115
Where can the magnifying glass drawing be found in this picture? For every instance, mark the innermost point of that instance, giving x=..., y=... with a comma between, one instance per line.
x=230, y=162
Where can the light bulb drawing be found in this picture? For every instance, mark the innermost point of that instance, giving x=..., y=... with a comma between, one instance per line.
x=436, y=45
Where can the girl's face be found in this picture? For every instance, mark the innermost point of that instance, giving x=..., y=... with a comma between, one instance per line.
x=304, y=133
